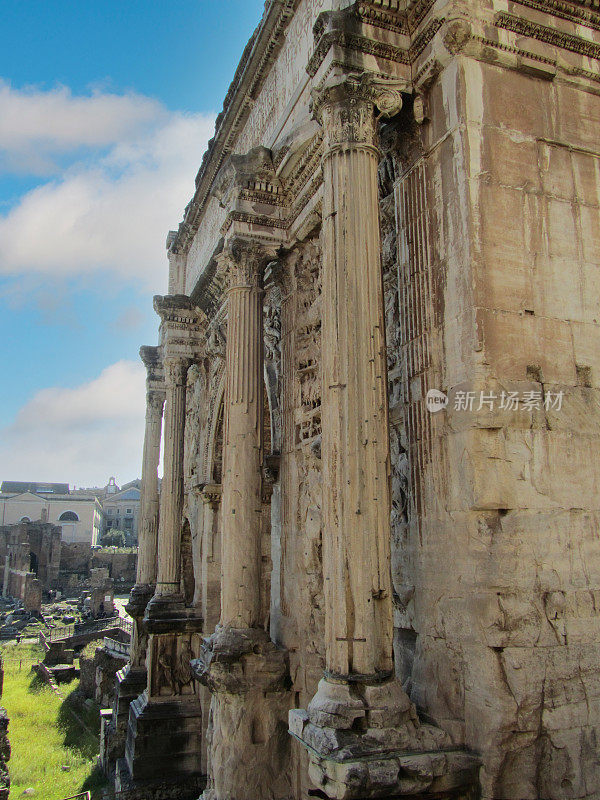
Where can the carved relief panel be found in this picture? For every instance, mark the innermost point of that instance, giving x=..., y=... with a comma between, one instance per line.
x=171, y=673
x=301, y=581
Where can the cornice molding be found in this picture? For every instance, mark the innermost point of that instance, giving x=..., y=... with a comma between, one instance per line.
x=338, y=29
x=182, y=327
x=155, y=375
x=151, y=356
x=174, y=308
x=252, y=71
x=389, y=18
x=401, y=18
x=551, y=36
x=579, y=14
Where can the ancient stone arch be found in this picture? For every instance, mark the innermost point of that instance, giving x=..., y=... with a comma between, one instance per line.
x=387, y=209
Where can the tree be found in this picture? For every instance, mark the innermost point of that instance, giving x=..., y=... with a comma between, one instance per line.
x=113, y=538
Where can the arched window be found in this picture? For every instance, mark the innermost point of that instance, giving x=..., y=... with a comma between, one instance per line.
x=25, y=519
x=68, y=516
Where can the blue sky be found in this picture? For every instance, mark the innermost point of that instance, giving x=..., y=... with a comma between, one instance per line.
x=105, y=110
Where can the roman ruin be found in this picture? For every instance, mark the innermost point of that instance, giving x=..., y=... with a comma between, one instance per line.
x=373, y=568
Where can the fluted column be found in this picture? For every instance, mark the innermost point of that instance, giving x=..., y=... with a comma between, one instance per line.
x=243, y=446
x=244, y=670
x=355, y=450
x=169, y=530
x=164, y=730
x=360, y=710
x=131, y=681
x=148, y=527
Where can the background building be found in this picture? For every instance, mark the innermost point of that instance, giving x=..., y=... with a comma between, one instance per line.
x=121, y=512
x=121, y=507
x=79, y=515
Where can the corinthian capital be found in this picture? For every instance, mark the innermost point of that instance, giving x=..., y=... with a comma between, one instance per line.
x=176, y=368
x=155, y=400
x=345, y=106
x=243, y=261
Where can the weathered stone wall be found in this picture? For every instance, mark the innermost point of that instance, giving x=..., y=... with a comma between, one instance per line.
x=121, y=567
x=74, y=561
x=45, y=544
x=78, y=559
x=496, y=578
x=29, y=556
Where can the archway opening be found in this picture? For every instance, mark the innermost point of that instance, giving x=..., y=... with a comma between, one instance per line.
x=68, y=516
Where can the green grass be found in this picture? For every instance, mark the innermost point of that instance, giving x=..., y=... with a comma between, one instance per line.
x=45, y=735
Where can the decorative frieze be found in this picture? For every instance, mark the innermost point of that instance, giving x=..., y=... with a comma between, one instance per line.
x=249, y=78
x=342, y=37
x=580, y=13
x=424, y=38
x=383, y=15
x=551, y=36
x=339, y=29
x=417, y=12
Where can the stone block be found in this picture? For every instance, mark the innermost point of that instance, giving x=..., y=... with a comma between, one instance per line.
x=298, y=719
x=387, y=705
x=336, y=705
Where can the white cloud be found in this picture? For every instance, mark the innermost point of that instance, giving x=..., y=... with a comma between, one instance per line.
x=81, y=435
x=37, y=125
x=108, y=214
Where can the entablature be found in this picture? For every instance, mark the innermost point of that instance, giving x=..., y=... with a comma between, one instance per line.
x=273, y=193
x=182, y=329
x=155, y=373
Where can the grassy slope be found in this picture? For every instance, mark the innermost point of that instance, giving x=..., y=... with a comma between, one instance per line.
x=44, y=734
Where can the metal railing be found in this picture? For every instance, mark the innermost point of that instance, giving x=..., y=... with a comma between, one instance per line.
x=82, y=628
x=84, y=796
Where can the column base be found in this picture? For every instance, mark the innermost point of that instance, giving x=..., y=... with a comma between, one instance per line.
x=366, y=741
x=163, y=739
x=166, y=606
x=248, y=747
x=139, y=597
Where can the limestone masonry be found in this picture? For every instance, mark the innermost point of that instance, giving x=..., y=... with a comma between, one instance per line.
x=374, y=567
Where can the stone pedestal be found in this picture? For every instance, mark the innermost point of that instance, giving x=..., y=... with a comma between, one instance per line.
x=132, y=679
x=367, y=741
x=248, y=743
x=165, y=722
